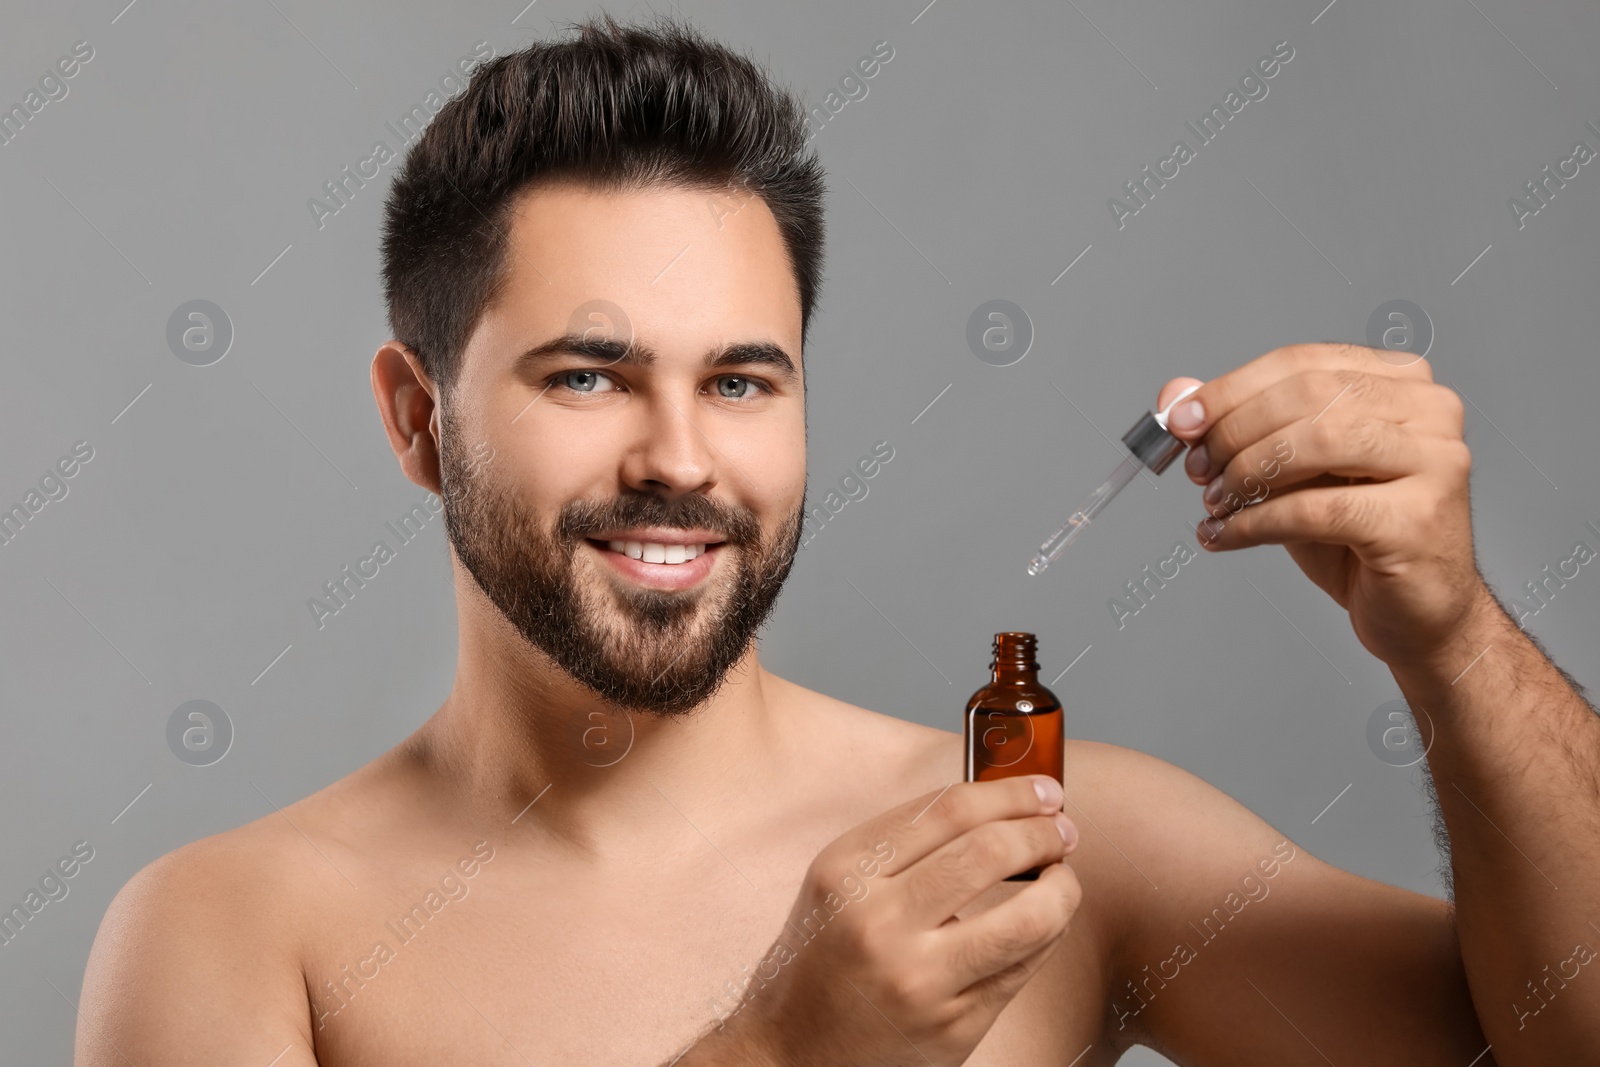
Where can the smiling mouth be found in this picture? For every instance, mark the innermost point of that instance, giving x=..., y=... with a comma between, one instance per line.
x=653, y=551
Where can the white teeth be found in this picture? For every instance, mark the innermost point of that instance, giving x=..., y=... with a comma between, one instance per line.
x=654, y=552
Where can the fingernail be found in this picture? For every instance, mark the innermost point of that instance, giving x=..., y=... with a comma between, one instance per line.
x=1213, y=491
x=1049, y=792
x=1069, y=832
x=1197, y=462
x=1211, y=529
x=1189, y=415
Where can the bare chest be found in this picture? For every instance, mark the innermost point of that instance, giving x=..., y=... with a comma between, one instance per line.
x=509, y=969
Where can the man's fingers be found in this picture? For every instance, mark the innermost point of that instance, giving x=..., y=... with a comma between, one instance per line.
x=993, y=953
x=906, y=833
x=1325, y=399
x=1364, y=516
x=1224, y=394
x=1357, y=447
x=951, y=876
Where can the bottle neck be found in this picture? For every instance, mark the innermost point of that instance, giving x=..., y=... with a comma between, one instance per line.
x=1013, y=661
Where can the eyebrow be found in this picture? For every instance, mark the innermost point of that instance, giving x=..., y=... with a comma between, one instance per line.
x=608, y=351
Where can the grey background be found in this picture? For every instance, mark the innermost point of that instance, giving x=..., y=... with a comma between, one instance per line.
x=977, y=167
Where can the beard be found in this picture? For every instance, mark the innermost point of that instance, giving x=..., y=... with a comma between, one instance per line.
x=658, y=651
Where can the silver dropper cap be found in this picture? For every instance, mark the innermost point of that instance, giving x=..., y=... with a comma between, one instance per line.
x=1151, y=444
x=1149, y=440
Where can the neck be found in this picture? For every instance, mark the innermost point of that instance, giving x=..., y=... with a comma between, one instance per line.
x=519, y=738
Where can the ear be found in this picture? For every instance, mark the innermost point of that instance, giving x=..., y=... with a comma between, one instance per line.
x=408, y=403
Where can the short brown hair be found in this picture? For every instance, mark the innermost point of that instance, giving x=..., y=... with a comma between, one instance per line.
x=619, y=107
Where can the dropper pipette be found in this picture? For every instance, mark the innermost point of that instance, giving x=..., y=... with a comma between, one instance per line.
x=1149, y=445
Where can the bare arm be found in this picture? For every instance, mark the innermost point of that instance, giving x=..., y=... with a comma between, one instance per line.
x=1516, y=763
x=1371, y=501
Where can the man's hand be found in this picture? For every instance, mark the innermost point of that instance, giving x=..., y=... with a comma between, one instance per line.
x=1356, y=465
x=873, y=967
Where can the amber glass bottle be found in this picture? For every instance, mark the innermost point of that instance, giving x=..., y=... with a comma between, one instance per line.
x=1013, y=724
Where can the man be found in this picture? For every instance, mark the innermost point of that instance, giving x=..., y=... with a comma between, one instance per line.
x=622, y=841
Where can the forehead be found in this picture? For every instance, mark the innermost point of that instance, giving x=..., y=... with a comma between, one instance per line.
x=687, y=268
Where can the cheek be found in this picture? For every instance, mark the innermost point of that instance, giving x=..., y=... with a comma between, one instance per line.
x=778, y=475
x=553, y=459
x=542, y=487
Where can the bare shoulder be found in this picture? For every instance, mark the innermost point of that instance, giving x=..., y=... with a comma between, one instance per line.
x=202, y=933
x=215, y=930
x=1162, y=840
x=881, y=752
x=1178, y=835
x=1154, y=801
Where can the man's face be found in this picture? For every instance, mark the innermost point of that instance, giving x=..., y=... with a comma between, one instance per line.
x=547, y=460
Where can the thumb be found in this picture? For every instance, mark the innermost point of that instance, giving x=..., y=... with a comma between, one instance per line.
x=1170, y=391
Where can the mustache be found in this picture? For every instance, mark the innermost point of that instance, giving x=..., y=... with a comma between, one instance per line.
x=583, y=518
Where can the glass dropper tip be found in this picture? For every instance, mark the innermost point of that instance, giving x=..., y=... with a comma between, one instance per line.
x=1149, y=445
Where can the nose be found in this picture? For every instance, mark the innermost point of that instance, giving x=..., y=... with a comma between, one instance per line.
x=671, y=453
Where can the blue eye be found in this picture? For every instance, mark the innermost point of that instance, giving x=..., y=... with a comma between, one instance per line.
x=590, y=379
x=736, y=378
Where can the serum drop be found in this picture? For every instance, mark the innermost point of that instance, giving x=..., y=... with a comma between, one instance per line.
x=1013, y=724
